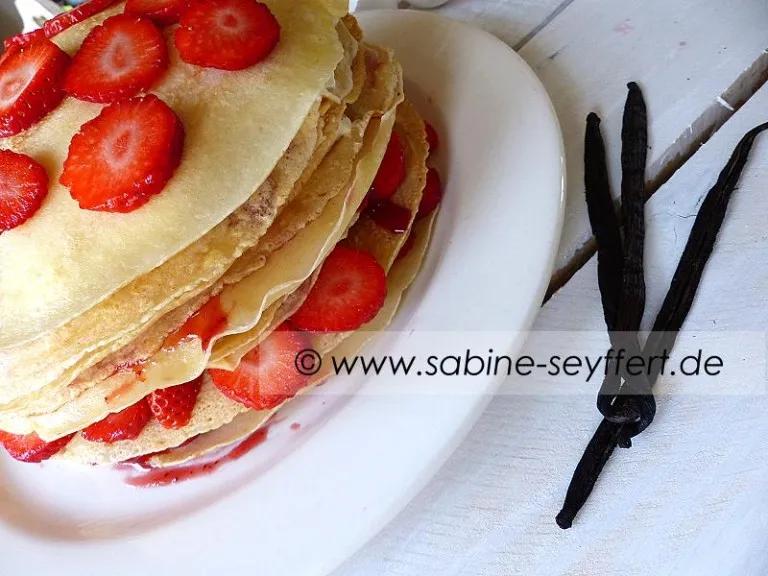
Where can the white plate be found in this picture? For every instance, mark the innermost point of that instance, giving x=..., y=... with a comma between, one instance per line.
x=305, y=500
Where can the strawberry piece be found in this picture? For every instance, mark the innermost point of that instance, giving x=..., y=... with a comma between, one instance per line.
x=30, y=85
x=349, y=291
x=173, y=406
x=226, y=34
x=30, y=447
x=267, y=375
x=391, y=171
x=433, y=140
x=205, y=324
x=8, y=52
x=164, y=12
x=124, y=425
x=122, y=57
x=75, y=16
x=23, y=187
x=432, y=195
x=23, y=39
x=124, y=156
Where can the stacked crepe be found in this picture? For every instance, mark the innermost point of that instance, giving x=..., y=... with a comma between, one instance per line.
x=96, y=308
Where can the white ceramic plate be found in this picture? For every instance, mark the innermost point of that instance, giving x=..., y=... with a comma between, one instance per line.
x=307, y=499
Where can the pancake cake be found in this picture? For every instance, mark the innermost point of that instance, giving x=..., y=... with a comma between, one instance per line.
x=192, y=193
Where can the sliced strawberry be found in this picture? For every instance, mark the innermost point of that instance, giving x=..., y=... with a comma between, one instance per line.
x=173, y=406
x=391, y=170
x=23, y=39
x=205, y=324
x=124, y=156
x=227, y=34
x=23, y=187
x=124, y=425
x=349, y=291
x=122, y=57
x=164, y=12
x=30, y=85
x=75, y=16
x=267, y=375
x=30, y=448
x=433, y=140
x=8, y=51
x=433, y=194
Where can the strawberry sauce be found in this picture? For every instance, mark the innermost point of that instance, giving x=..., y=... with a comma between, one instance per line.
x=390, y=216
x=165, y=476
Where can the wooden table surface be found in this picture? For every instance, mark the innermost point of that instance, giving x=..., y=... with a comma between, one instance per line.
x=698, y=476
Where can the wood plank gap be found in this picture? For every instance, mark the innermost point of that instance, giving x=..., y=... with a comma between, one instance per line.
x=555, y=13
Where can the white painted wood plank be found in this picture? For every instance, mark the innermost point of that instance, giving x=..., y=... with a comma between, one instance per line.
x=685, y=54
x=510, y=20
x=32, y=13
x=689, y=498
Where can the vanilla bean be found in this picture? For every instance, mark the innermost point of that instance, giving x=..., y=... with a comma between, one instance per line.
x=634, y=149
x=698, y=249
x=669, y=321
x=605, y=224
x=628, y=399
x=596, y=454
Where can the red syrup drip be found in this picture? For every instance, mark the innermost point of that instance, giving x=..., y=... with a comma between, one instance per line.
x=295, y=426
x=165, y=476
x=390, y=216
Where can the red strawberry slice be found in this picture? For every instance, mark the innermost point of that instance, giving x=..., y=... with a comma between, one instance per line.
x=164, y=12
x=227, y=34
x=433, y=140
x=432, y=195
x=391, y=170
x=75, y=16
x=23, y=39
x=205, y=324
x=122, y=57
x=30, y=448
x=124, y=425
x=23, y=187
x=124, y=156
x=30, y=85
x=8, y=51
x=267, y=375
x=349, y=291
x=173, y=406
